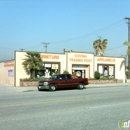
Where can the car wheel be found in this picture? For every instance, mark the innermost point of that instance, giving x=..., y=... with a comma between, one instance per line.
x=52, y=87
x=80, y=86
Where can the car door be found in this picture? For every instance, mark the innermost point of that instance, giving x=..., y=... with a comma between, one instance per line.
x=70, y=81
x=62, y=82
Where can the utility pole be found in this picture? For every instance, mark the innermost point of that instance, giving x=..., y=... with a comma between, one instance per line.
x=45, y=45
x=22, y=49
x=128, y=28
x=128, y=41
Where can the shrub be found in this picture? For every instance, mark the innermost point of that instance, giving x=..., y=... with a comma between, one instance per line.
x=31, y=80
x=65, y=72
x=127, y=73
x=97, y=75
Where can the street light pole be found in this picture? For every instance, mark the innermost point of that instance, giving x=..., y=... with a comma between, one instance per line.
x=45, y=45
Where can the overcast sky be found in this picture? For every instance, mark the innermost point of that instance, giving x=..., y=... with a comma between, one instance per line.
x=69, y=24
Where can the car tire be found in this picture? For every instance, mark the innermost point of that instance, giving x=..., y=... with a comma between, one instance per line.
x=52, y=87
x=80, y=86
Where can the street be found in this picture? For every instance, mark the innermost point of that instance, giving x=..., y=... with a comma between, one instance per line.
x=88, y=109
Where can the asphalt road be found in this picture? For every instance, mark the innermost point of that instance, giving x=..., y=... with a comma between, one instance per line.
x=88, y=109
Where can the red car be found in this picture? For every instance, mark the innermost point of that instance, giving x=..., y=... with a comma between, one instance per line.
x=61, y=81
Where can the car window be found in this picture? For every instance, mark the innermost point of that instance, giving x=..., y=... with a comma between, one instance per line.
x=54, y=77
x=63, y=77
x=69, y=76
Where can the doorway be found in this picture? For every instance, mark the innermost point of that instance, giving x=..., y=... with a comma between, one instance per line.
x=80, y=70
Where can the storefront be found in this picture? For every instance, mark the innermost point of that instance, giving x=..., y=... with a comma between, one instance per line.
x=53, y=63
x=80, y=63
x=111, y=67
x=83, y=64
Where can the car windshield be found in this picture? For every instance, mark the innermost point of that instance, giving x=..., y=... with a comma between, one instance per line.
x=54, y=77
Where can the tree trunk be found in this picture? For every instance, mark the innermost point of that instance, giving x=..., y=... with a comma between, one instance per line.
x=129, y=62
x=32, y=73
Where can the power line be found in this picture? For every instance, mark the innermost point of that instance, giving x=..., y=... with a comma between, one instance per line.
x=104, y=28
x=46, y=50
x=118, y=23
x=115, y=48
x=32, y=46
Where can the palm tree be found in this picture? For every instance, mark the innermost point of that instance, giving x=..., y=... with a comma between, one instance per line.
x=128, y=53
x=32, y=63
x=100, y=46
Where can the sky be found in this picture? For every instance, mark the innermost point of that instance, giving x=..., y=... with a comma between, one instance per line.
x=64, y=24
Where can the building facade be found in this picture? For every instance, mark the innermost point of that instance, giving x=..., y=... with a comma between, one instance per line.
x=7, y=72
x=82, y=63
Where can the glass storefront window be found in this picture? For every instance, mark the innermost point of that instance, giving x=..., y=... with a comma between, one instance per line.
x=48, y=71
x=106, y=71
x=100, y=70
x=51, y=69
x=54, y=69
x=111, y=71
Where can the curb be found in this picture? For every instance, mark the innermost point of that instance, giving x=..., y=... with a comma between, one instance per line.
x=108, y=85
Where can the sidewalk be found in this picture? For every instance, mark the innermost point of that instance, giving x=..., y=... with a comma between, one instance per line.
x=25, y=89
x=34, y=88
x=8, y=89
x=108, y=85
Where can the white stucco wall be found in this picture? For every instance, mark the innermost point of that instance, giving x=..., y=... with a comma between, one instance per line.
x=20, y=72
x=120, y=68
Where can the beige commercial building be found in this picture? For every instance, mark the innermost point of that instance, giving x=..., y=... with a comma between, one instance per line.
x=82, y=63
